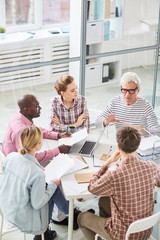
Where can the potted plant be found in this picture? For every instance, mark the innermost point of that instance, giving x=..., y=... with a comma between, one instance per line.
x=2, y=32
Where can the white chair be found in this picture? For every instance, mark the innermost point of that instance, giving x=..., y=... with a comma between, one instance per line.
x=97, y=235
x=1, y=159
x=10, y=230
x=93, y=114
x=144, y=224
x=141, y=225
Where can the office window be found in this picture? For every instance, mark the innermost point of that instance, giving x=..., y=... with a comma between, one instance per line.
x=25, y=15
x=20, y=12
x=56, y=11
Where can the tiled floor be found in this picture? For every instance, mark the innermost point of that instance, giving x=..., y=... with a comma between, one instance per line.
x=97, y=99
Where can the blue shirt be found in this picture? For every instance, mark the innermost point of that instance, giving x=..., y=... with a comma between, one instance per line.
x=23, y=193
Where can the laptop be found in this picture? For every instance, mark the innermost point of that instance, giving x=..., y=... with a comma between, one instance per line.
x=86, y=146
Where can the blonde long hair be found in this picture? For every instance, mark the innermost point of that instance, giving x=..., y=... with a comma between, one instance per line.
x=29, y=139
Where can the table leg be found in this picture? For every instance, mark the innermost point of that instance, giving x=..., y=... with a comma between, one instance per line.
x=155, y=197
x=70, y=225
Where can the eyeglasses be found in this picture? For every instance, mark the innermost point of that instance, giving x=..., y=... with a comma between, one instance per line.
x=131, y=91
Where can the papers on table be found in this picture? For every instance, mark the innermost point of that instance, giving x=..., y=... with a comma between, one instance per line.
x=62, y=165
x=82, y=187
x=97, y=162
x=76, y=137
x=72, y=183
x=149, y=157
x=149, y=145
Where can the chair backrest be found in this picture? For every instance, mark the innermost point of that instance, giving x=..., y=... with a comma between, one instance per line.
x=13, y=229
x=97, y=236
x=1, y=160
x=93, y=114
x=1, y=224
x=144, y=224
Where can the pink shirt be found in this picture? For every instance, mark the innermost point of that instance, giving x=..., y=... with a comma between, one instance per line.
x=11, y=140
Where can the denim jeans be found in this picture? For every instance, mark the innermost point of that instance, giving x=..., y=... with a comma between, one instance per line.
x=58, y=199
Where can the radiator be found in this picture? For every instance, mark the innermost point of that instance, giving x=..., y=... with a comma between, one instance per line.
x=33, y=54
x=59, y=51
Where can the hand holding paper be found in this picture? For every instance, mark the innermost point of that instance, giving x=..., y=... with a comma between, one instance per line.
x=76, y=137
x=62, y=165
x=56, y=181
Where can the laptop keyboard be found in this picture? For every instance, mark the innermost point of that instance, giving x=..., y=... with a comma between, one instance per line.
x=87, y=147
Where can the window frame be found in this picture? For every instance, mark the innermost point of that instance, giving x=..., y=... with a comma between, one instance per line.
x=27, y=27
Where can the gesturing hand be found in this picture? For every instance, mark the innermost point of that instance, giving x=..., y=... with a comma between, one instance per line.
x=110, y=118
x=141, y=129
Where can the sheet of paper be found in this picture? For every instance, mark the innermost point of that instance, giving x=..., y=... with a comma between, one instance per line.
x=77, y=165
x=72, y=183
x=99, y=163
x=62, y=165
x=58, y=167
x=76, y=137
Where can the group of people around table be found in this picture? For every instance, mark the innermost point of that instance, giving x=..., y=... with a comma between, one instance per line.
x=126, y=193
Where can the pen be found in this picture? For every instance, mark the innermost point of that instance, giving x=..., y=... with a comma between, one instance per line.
x=83, y=160
x=109, y=151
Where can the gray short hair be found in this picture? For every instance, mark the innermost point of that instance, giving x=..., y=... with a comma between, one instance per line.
x=130, y=77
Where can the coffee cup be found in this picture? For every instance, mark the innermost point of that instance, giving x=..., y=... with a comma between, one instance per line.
x=71, y=129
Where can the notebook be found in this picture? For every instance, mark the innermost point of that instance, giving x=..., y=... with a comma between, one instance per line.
x=84, y=177
x=86, y=147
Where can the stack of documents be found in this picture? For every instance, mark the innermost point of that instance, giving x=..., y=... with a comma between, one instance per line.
x=149, y=146
x=62, y=165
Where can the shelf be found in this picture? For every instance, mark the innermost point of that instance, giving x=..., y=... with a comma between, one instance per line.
x=100, y=31
x=109, y=24
x=96, y=75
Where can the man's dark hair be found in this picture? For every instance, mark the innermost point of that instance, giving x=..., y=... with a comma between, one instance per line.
x=128, y=139
x=26, y=101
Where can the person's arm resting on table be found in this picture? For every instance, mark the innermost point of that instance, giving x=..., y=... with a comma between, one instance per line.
x=140, y=129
